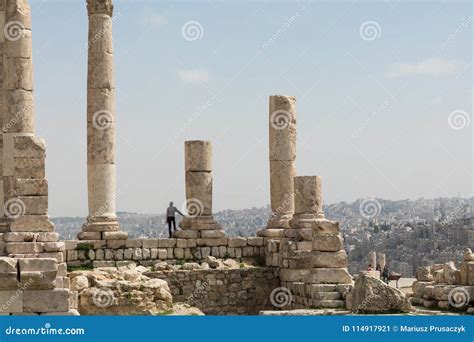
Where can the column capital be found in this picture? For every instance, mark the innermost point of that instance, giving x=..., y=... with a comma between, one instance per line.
x=100, y=7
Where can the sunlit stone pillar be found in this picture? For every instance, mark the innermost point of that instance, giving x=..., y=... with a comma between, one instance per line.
x=282, y=146
x=199, y=223
x=102, y=220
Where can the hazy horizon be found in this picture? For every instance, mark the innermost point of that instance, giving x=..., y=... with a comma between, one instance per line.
x=384, y=97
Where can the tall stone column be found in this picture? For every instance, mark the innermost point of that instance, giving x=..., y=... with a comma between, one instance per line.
x=102, y=220
x=282, y=146
x=198, y=174
x=3, y=221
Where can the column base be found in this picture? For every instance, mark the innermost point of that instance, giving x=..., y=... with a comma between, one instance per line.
x=199, y=223
x=101, y=228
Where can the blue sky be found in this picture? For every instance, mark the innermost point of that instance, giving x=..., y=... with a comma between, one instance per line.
x=383, y=112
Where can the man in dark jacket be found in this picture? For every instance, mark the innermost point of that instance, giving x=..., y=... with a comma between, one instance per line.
x=170, y=217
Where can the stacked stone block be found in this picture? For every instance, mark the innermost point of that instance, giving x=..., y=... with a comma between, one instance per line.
x=282, y=155
x=35, y=287
x=199, y=223
x=99, y=253
x=102, y=220
x=313, y=261
x=445, y=287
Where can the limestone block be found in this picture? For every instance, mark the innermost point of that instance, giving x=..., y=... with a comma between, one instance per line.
x=34, y=205
x=304, y=245
x=199, y=193
x=29, y=168
x=110, y=254
x=79, y=283
x=19, y=237
x=8, y=273
x=32, y=223
x=212, y=234
x=162, y=254
x=89, y=235
x=19, y=109
x=327, y=242
x=186, y=234
x=20, y=73
x=319, y=259
x=71, y=255
x=283, y=142
x=117, y=235
x=21, y=47
x=38, y=273
x=59, y=256
x=212, y=242
x=101, y=142
x=46, y=300
x=146, y=253
x=54, y=246
x=137, y=254
x=24, y=248
x=237, y=242
x=294, y=274
x=308, y=198
x=150, y=243
x=282, y=187
x=205, y=252
x=198, y=155
x=181, y=243
x=118, y=254
x=254, y=241
x=29, y=147
x=274, y=233
x=133, y=243
x=11, y=301
x=48, y=237
x=166, y=243
x=328, y=276
x=467, y=273
x=179, y=253
x=191, y=243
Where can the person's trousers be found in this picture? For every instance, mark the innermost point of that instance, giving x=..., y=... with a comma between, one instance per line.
x=171, y=220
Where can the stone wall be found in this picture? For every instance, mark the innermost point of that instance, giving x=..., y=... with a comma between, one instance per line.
x=223, y=292
x=103, y=253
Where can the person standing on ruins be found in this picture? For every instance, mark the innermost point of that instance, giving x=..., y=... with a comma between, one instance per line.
x=170, y=217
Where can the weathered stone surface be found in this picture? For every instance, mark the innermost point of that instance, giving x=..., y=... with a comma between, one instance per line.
x=282, y=187
x=29, y=147
x=32, y=223
x=282, y=140
x=186, y=234
x=308, y=198
x=371, y=295
x=46, y=300
x=117, y=235
x=11, y=301
x=316, y=259
x=198, y=155
x=327, y=242
x=24, y=248
x=423, y=273
x=467, y=273
x=38, y=273
x=212, y=234
x=8, y=273
x=199, y=193
x=328, y=276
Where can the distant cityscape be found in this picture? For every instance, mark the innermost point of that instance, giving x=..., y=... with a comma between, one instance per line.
x=411, y=233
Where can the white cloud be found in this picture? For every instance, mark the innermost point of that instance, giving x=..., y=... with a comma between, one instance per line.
x=428, y=67
x=193, y=75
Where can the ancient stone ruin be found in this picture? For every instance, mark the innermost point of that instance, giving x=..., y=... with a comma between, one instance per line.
x=297, y=262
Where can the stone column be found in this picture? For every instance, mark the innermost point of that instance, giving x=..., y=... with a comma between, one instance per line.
x=373, y=259
x=314, y=252
x=282, y=146
x=199, y=223
x=381, y=260
x=3, y=222
x=102, y=220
